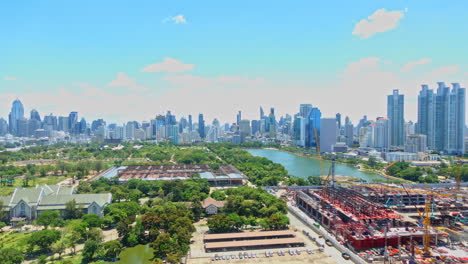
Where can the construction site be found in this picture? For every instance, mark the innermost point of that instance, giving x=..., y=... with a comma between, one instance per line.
x=389, y=223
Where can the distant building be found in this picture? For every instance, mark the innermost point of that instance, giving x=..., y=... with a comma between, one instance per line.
x=212, y=206
x=328, y=134
x=401, y=156
x=349, y=133
x=382, y=134
x=28, y=203
x=17, y=113
x=395, y=112
x=416, y=143
x=201, y=126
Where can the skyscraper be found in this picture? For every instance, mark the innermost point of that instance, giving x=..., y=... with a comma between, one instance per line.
x=72, y=121
x=17, y=113
x=329, y=134
x=349, y=132
x=338, y=120
x=426, y=115
x=201, y=126
x=190, y=124
x=441, y=117
x=304, y=110
x=239, y=118
x=312, y=124
x=262, y=114
x=382, y=132
x=35, y=115
x=395, y=112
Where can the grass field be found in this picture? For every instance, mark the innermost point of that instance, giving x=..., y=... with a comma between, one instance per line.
x=7, y=190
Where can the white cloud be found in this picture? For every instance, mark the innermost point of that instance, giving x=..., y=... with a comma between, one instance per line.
x=10, y=78
x=380, y=21
x=196, y=82
x=364, y=64
x=179, y=19
x=442, y=72
x=122, y=80
x=410, y=65
x=169, y=65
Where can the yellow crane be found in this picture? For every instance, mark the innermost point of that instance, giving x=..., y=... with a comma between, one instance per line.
x=427, y=208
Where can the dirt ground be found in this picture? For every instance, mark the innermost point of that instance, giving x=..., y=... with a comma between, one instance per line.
x=197, y=255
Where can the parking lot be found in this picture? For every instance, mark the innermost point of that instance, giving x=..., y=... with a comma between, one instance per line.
x=310, y=253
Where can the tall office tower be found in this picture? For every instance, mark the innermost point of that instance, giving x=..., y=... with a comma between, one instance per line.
x=450, y=118
x=244, y=127
x=17, y=113
x=23, y=130
x=35, y=115
x=81, y=126
x=382, y=132
x=183, y=124
x=426, y=115
x=328, y=134
x=395, y=112
x=50, y=123
x=170, y=119
x=97, y=124
x=255, y=126
x=173, y=133
x=338, y=120
x=416, y=143
x=238, y=118
x=304, y=110
x=3, y=127
x=272, y=123
x=33, y=125
x=63, y=123
x=312, y=124
x=262, y=114
x=72, y=121
x=410, y=129
x=130, y=130
x=349, y=132
x=201, y=126
x=190, y=124
x=299, y=130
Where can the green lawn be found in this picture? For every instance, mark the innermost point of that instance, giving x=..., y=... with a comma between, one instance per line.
x=7, y=190
x=14, y=240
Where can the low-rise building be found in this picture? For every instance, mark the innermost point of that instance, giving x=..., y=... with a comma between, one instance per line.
x=212, y=206
x=28, y=203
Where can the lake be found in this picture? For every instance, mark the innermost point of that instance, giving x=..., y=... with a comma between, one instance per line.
x=140, y=254
x=303, y=167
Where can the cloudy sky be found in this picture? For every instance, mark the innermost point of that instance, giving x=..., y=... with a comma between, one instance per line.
x=131, y=60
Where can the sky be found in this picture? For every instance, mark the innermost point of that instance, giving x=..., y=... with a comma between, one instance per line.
x=132, y=60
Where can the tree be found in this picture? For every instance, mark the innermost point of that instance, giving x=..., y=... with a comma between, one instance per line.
x=43, y=239
x=98, y=166
x=164, y=245
x=11, y=256
x=90, y=249
x=72, y=211
x=218, y=195
x=61, y=166
x=48, y=218
x=91, y=220
x=220, y=224
x=110, y=250
x=59, y=247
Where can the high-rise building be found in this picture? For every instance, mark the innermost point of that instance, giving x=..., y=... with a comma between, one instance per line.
x=35, y=115
x=328, y=134
x=72, y=121
x=96, y=124
x=255, y=126
x=304, y=110
x=426, y=115
x=416, y=143
x=312, y=125
x=299, y=130
x=349, y=132
x=272, y=123
x=17, y=113
x=382, y=134
x=441, y=117
x=50, y=123
x=244, y=127
x=395, y=112
x=3, y=127
x=201, y=126
x=190, y=123
x=338, y=120
x=63, y=123
x=238, y=118
x=262, y=114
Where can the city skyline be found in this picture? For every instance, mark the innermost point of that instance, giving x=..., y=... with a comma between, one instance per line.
x=147, y=59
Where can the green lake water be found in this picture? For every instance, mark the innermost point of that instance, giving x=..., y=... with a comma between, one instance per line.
x=303, y=167
x=140, y=254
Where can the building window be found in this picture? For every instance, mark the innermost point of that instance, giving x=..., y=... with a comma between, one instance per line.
x=22, y=210
x=94, y=210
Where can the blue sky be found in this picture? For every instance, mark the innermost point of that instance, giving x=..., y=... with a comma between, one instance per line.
x=60, y=56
